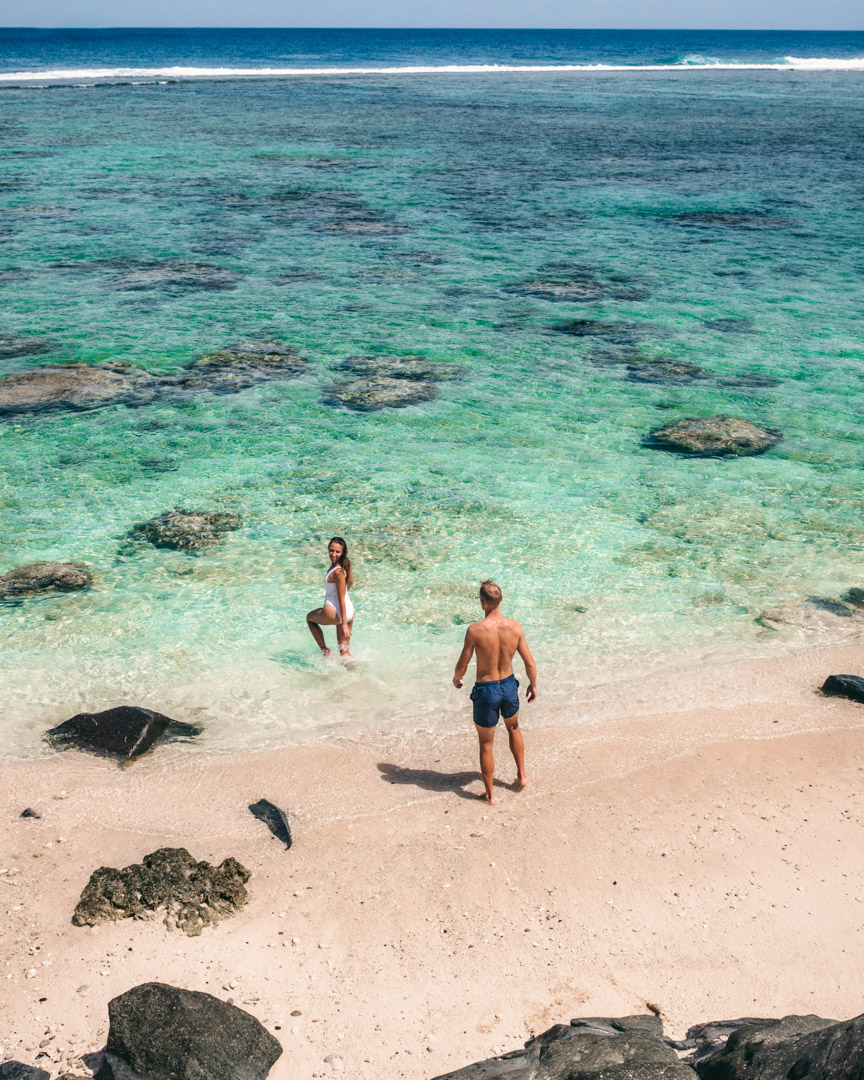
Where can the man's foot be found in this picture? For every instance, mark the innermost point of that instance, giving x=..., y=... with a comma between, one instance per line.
x=487, y=798
x=325, y=653
x=522, y=781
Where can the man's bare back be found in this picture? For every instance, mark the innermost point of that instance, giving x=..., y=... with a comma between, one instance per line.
x=494, y=641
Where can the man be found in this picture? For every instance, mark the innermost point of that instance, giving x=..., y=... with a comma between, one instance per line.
x=495, y=639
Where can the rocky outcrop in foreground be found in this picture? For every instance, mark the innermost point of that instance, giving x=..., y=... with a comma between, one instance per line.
x=713, y=436
x=42, y=577
x=634, y=1048
x=192, y=894
x=125, y=732
x=16, y=1070
x=186, y=530
x=160, y=1032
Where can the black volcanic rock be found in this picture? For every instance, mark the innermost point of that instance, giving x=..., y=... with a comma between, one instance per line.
x=186, y=530
x=849, y=686
x=17, y=1070
x=125, y=732
x=160, y=1032
x=36, y=578
x=275, y=819
x=713, y=436
x=192, y=894
x=794, y=1048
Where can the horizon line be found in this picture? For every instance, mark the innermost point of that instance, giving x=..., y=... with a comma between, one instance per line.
x=487, y=29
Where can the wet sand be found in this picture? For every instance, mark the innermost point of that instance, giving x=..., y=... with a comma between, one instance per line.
x=697, y=846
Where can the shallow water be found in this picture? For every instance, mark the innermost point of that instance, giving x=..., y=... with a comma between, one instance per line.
x=392, y=215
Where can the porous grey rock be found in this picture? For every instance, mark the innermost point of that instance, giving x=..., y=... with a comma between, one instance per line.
x=186, y=530
x=246, y=363
x=362, y=226
x=618, y=333
x=42, y=577
x=665, y=371
x=596, y=1048
x=794, y=1048
x=849, y=686
x=126, y=732
x=75, y=386
x=402, y=367
x=17, y=1070
x=177, y=276
x=814, y=613
x=160, y=1032
x=13, y=345
x=192, y=894
x=377, y=392
x=713, y=436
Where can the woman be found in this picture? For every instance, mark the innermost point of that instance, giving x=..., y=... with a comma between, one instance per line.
x=338, y=610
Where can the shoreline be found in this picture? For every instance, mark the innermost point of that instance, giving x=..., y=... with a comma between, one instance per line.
x=701, y=851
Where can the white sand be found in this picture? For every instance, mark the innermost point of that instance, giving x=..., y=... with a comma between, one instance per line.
x=700, y=848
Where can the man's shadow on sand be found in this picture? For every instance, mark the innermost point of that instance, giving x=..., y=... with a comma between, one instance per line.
x=430, y=780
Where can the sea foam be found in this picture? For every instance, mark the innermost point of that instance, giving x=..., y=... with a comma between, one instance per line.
x=686, y=63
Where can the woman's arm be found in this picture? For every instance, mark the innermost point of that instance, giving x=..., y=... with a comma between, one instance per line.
x=342, y=592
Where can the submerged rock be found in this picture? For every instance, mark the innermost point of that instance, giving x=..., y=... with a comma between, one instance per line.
x=580, y=288
x=42, y=577
x=713, y=436
x=160, y=1032
x=849, y=686
x=125, y=732
x=665, y=371
x=794, y=1048
x=192, y=894
x=275, y=819
x=596, y=1048
x=187, y=530
x=748, y=381
x=75, y=386
x=12, y=345
x=619, y=333
x=814, y=613
x=242, y=365
x=731, y=325
x=364, y=227
x=402, y=367
x=731, y=219
x=177, y=276
x=374, y=393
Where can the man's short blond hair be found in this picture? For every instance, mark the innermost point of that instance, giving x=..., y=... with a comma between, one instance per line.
x=490, y=592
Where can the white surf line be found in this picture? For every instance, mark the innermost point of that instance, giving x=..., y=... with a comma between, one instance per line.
x=789, y=63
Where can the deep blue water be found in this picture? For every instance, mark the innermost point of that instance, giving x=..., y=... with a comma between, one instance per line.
x=394, y=214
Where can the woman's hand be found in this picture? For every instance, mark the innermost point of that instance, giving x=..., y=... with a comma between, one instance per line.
x=346, y=630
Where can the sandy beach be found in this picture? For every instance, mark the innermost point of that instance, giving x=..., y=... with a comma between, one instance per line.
x=698, y=850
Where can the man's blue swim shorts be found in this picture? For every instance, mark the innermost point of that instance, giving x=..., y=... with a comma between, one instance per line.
x=491, y=698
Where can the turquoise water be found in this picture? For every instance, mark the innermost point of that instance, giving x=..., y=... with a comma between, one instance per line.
x=529, y=468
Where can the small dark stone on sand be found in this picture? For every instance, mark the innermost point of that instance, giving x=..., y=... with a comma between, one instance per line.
x=374, y=393
x=713, y=436
x=848, y=686
x=275, y=819
x=37, y=578
x=160, y=1032
x=28, y=813
x=192, y=894
x=854, y=596
x=186, y=530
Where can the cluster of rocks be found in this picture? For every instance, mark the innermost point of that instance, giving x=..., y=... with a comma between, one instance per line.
x=382, y=382
x=162, y=1032
x=191, y=894
x=844, y=614
x=71, y=387
x=635, y=1048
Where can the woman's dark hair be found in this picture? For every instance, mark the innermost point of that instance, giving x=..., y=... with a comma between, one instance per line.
x=343, y=560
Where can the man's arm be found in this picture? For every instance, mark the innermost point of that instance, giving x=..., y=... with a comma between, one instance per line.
x=464, y=658
x=530, y=667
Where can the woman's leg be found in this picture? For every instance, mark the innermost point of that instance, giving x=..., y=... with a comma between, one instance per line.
x=318, y=617
x=344, y=642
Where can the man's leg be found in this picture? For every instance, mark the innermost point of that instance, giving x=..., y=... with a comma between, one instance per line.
x=517, y=748
x=486, y=735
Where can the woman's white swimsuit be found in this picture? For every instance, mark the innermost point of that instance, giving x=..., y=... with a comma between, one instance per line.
x=331, y=597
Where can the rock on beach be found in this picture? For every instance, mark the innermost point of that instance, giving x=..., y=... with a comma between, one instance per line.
x=17, y=1070
x=125, y=732
x=192, y=894
x=161, y=1032
x=186, y=530
x=34, y=579
x=713, y=436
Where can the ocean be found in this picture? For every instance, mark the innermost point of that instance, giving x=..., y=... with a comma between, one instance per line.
x=695, y=198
